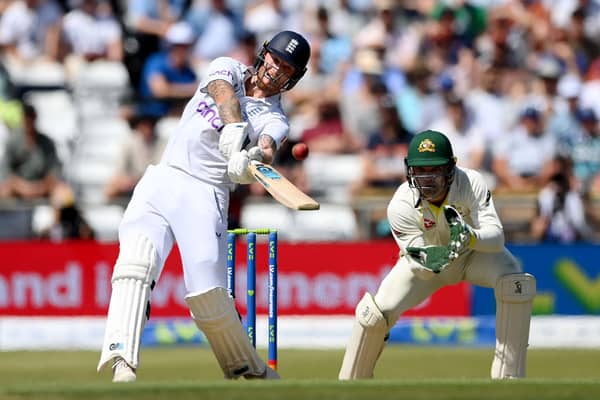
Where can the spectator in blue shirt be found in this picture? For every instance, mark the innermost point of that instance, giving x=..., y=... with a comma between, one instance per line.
x=168, y=79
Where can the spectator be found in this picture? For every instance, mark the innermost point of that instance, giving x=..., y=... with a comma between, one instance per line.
x=329, y=134
x=316, y=83
x=314, y=90
x=561, y=210
x=245, y=51
x=265, y=17
x=142, y=148
x=31, y=161
x=91, y=33
x=492, y=109
x=68, y=221
x=585, y=152
x=523, y=159
x=346, y=18
x=333, y=50
x=564, y=124
x=399, y=42
x=147, y=22
x=418, y=104
x=168, y=78
x=154, y=17
x=584, y=48
x=590, y=90
x=29, y=30
x=443, y=42
x=219, y=35
x=466, y=136
x=363, y=88
x=504, y=42
x=547, y=70
x=383, y=159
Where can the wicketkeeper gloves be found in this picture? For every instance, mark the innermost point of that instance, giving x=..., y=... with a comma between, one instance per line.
x=461, y=234
x=432, y=258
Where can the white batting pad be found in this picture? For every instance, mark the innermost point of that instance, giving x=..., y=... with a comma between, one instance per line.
x=366, y=341
x=133, y=275
x=214, y=313
x=514, y=296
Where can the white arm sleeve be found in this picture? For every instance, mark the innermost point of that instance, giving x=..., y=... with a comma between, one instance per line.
x=404, y=221
x=487, y=227
x=224, y=68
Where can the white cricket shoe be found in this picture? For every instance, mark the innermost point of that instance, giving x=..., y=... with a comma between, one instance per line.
x=122, y=372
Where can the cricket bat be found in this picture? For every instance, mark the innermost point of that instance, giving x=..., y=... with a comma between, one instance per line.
x=282, y=189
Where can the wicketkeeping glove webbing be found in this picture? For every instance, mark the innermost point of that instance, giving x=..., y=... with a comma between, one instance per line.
x=461, y=234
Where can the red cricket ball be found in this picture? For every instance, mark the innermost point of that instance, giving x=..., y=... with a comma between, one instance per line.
x=300, y=151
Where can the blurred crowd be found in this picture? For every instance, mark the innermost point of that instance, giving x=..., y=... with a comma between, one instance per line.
x=515, y=84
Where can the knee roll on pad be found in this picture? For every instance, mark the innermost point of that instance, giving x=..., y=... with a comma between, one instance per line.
x=215, y=314
x=366, y=340
x=514, y=297
x=133, y=279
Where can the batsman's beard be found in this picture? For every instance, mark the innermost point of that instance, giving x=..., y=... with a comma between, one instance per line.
x=266, y=81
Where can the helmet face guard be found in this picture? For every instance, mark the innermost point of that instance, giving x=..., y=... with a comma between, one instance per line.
x=430, y=164
x=431, y=184
x=290, y=47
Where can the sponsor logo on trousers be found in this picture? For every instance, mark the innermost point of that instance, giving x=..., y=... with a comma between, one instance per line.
x=116, y=346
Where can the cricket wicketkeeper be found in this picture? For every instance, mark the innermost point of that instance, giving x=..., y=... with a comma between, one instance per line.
x=444, y=221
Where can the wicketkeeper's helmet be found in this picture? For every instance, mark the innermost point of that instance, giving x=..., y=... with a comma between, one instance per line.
x=430, y=149
x=292, y=48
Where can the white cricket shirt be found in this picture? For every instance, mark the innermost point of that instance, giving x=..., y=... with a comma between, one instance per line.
x=193, y=146
x=416, y=222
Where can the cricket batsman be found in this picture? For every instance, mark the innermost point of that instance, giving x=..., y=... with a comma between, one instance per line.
x=445, y=223
x=185, y=199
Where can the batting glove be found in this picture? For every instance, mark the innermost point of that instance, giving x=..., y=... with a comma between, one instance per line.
x=255, y=154
x=237, y=168
x=232, y=138
x=432, y=258
x=461, y=234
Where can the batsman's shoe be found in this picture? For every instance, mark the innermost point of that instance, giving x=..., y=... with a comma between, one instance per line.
x=122, y=372
x=269, y=373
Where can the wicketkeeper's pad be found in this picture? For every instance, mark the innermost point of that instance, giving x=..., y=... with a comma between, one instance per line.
x=366, y=341
x=514, y=297
x=215, y=314
x=134, y=275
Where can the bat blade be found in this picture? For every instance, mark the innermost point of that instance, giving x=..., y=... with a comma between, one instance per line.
x=282, y=189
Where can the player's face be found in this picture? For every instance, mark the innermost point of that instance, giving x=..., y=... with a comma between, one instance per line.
x=432, y=182
x=273, y=74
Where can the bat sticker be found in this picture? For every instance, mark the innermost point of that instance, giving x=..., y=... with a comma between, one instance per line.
x=268, y=172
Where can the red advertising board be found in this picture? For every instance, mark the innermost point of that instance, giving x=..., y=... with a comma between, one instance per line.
x=47, y=279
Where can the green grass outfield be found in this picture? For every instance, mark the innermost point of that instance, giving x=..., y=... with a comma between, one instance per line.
x=402, y=373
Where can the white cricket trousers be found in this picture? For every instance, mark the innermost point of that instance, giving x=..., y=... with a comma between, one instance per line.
x=168, y=206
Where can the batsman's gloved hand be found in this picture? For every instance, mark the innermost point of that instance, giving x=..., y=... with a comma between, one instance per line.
x=255, y=154
x=232, y=138
x=432, y=259
x=461, y=234
x=237, y=168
